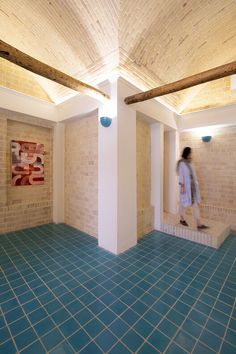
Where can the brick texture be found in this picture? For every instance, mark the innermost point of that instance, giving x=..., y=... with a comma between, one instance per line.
x=145, y=212
x=26, y=206
x=215, y=164
x=81, y=174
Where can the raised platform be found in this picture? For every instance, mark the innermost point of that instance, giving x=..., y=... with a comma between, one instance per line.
x=213, y=237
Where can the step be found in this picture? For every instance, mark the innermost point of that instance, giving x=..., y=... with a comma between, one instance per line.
x=213, y=237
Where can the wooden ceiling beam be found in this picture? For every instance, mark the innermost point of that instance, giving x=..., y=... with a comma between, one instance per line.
x=197, y=79
x=37, y=67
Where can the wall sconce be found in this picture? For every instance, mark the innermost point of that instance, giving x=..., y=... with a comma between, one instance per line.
x=105, y=121
x=206, y=139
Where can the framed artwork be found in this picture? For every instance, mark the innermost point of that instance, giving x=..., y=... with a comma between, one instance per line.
x=27, y=163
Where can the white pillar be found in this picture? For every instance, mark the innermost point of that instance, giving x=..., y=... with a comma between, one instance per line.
x=117, y=211
x=171, y=156
x=58, y=172
x=157, y=167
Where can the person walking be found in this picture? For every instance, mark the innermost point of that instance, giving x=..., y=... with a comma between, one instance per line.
x=189, y=189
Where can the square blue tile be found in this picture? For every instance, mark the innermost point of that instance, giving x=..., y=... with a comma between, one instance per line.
x=53, y=306
x=159, y=340
x=139, y=307
x=175, y=349
x=118, y=307
x=198, y=317
x=91, y=348
x=37, y=315
x=147, y=348
x=119, y=348
x=202, y=349
x=74, y=306
x=10, y=305
x=19, y=325
x=60, y=316
x=97, y=307
x=211, y=340
x=118, y=327
x=107, y=316
x=52, y=339
x=62, y=348
x=168, y=328
x=132, y=340
x=8, y=348
x=14, y=315
x=25, y=338
x=94, y=327
x=148, y=299
x=128, y=299
x=79, y=340
x=130, y=317
x=36, y=347
x=215, y=327
x=4, y=334
x=161, y=307
x=219, y=317
x=44, y=326
x=175, y=317
x=106, y=340
x=69, y=327
x=192, y=327
x=46, y=298
x=184, y=340
x=227, y=348
x=84, y=316
x=67, y=298
x=182, y=308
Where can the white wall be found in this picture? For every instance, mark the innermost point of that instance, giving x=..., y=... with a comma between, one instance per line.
x=58, y=172
x=157, y=172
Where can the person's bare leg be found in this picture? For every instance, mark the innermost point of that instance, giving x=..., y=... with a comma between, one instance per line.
x=196, y=215
x=181, y=215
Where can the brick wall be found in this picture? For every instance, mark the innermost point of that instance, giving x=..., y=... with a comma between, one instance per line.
x=145, y=211
x=81, y=174
x=215, y=164
x=25, y=206
x=21, y=80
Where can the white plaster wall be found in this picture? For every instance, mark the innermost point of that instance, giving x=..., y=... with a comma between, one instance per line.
x=58, y=172
x=157, y=172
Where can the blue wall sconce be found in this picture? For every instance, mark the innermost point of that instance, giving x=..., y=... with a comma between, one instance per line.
x=105, y=121
x=206, y=139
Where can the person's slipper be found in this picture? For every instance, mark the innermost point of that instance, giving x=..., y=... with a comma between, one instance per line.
x=183, y=222
x=203, y=227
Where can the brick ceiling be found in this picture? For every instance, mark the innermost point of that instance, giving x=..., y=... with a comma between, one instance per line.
x=150, y=43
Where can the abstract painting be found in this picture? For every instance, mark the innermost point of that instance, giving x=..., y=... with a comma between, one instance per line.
x=27, y=166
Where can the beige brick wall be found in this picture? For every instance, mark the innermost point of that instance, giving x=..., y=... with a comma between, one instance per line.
x=81, y=174
x=145, y=211
x=21, y=80
x=25, y=206
x=215, y=164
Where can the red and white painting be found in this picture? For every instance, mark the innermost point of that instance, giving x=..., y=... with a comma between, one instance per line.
x=27, y=163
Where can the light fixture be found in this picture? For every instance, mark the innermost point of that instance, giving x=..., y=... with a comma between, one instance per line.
x=105, y=121
x=206, y=138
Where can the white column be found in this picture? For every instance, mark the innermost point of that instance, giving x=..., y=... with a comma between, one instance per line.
x=117, y=217
x=58, y=172
x=127, y=173
x=171, y=156
x=157, y=171
x=107, y=175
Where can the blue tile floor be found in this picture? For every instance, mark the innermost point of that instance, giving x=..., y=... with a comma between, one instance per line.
x=60, y=293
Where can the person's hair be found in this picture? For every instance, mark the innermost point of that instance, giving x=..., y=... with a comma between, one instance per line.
x=186, y=152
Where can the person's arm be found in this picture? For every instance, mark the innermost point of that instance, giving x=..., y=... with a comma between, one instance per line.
x=181, y=178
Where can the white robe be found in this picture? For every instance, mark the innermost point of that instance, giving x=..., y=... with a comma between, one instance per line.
x=185, y=179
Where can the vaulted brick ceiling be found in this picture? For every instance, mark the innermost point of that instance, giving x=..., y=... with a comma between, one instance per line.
x=150, y=43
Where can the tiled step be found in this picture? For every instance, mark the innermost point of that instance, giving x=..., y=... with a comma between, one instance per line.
x=213, y=237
